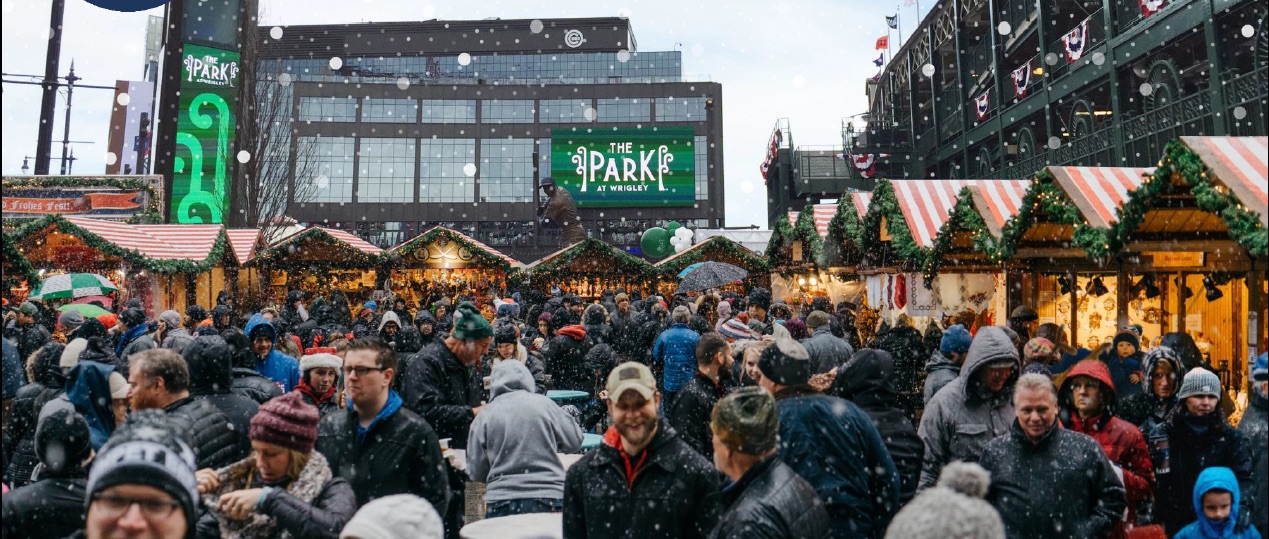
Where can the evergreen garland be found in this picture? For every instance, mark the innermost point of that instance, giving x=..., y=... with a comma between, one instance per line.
x=17, y=266
x=150, y=215
x=1044, y=200
x=350, y=257
x=886, y=204
x=963, y=217
x=621, y=262
x=483, y=255
x=805, y=231
x=132, y=256
x=841, y=246
x=780, y=247
x=1244, y=225
x=702, y=252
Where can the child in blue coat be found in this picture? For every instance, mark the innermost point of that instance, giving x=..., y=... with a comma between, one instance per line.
x=1216, y=499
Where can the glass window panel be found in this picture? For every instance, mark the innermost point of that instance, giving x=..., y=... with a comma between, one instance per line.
x=624, y=110
x=563, y=111
x=701, y=145
x=680, y=109
x=386, y=170
x=506, y=170
x=328, y=109
x=389, y=110
x=441, y=176
x=506, y=111
x=331, y=164
x=449, y=111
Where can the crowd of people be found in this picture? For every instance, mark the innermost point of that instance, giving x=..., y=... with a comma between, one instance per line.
x=718, y=415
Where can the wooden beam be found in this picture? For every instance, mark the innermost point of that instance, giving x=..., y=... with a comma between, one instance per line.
x=1207, y=246
x=1050, y=252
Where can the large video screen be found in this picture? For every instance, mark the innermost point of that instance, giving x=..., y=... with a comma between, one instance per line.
x=626, y=167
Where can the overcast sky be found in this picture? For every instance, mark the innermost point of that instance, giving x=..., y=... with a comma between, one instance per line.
x=804, y=60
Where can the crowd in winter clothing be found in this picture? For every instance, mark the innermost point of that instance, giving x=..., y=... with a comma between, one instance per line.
x=718, y=415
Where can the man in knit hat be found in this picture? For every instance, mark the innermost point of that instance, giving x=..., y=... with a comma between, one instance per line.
x=134, y=336
x=972, y=409
x=827, y=351
x=945, y=362
x=172, y=333
x=1255, y=426
x=831, y=443
x=1198, y=438
x=28, y=333
x=759, y=302
x=443, y=385
x=318, y=374
x=68, y=322
x=620, y=488
x=625, y=326
x=142, y=483
x=767, y=498
x=1037, y=355
x=53, y=506
x=400, y=516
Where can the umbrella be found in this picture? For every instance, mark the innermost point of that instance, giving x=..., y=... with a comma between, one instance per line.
x=105, y=301
x=689, y=269
x=73, y=285
x=86, y=309
x=710, y=275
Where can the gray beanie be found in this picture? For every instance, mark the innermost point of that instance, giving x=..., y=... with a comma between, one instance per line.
x=747, y=421
x=171, y=318
x=954, y=509
x=70, y=320
x=400, y=516
x=1200, y=381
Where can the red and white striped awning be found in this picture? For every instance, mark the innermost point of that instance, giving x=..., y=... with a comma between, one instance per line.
x=822, y=213
x=1098, y=192
x=926, y=204
x=152, y=242
x=1239, y=163
x=243, y=241
x=998, y=201
x=861, y=200
x=356, y=242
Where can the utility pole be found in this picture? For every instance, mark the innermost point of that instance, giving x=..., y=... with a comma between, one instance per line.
x=44, y=143
x=70, y=89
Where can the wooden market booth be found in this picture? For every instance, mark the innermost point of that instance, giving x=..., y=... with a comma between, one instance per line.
x=319, y=260
x=447, y=263
x=159, y=264
x=589, y=267
x=19, y=274
x=1196, y=229
x=1062, y=234
x=250, y=282
x=717, y=249
x=793, y=255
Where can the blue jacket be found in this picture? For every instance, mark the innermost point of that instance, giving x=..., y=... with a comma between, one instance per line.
x=675, y=348
x=1121, y=370
x=834, y=446
x=14, y=375
x=88, y=389
x=276, y=366
x=1204, y=528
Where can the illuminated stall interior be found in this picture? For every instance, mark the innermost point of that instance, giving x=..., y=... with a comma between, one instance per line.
x=320, y=260
x=442, y=262
x=589, y=267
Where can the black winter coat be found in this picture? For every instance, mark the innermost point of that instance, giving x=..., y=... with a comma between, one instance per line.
x=1255, y=429
x=323, y=518
x=51, y=508
x=19, y=434
x=771, y=501
x=400, y=455
x=689, y=414
x=1189, y=452
x=674, y=493
x=907, y=347
x=253, y=385
x=29, y=338
x=565, y=362
x=208, y=431
x=625, y=331
x=868, y=381
x=1062, y=486
x=438, y=387
x=211, y=379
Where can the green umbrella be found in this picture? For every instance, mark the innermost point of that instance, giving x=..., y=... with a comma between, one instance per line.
x=73, y=285
x=87, y=309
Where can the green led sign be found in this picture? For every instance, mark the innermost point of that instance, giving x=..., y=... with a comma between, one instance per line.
x=626, y=167
x=204, y=135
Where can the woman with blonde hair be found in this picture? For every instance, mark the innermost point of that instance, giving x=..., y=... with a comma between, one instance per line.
x=284, y=489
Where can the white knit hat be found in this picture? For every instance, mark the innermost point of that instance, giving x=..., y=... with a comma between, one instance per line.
x=954, y=509
x=119, y=386
x=70, y=354
x=400, y=516
x=315, y=361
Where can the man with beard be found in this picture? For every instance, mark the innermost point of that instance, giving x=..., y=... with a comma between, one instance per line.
x=625, y=327
x=643, y=480
x=320, y=370
x=689, y=414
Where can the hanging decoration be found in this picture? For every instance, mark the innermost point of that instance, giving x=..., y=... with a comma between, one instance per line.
x=1150, y=7
x=1021, y=79
x=1076, y=42
x=866, y=163
x=901, y=291
x=981, y=105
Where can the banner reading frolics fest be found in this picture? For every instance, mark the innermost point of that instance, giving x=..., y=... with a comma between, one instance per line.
x=626, y=167
x=204, y=135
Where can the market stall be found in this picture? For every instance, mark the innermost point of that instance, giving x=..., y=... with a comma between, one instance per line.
x=589, y=267
x=250, y=282
x=792, y=253
x=443, y=262
x=156, y=264
x=1062, y=233
x=718, y=249
x=19, y=274
x=319, y=260
x=1198, y=225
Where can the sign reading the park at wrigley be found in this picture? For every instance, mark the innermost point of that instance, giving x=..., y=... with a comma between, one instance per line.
x=204, y=135
x=626, y=167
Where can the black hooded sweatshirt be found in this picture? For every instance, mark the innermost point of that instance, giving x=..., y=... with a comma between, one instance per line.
x=868, y=381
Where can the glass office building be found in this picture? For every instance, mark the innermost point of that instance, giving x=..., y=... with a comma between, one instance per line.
x=396, y=127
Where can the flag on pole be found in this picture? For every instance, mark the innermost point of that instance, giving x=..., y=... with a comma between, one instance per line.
x=877, y=77
x=880, y=60
x=1076, y=42
x=1150, y=7
x=893, y=20
x=909, y=3
x=883, y=43
x=981, y=105
x=1021, y=79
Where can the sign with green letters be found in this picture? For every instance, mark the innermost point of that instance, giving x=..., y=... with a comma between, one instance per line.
x=204, y=135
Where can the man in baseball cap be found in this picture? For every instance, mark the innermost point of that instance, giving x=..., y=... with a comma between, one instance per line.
x=640, y=459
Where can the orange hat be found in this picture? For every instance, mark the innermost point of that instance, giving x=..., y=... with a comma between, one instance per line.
x=109, y=320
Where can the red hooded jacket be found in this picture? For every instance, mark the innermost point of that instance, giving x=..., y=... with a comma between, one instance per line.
x=1122, y=441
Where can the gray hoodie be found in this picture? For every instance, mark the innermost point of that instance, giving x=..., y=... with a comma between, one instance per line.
x=513, y=442
x=961, y=418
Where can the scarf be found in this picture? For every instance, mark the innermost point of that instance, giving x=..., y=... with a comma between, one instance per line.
x=315, y=475
x=128, y=337
x=309, y=392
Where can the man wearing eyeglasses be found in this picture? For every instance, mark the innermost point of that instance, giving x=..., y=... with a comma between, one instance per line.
x=375, y=444
x=142, y=484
